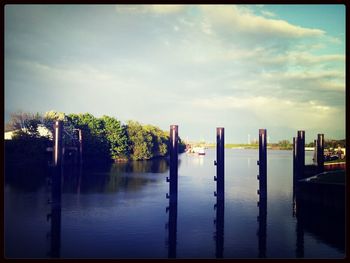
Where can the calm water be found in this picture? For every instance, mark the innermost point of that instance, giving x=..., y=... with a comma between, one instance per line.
x=119, y=211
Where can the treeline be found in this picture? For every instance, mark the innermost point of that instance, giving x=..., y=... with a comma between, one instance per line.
x=330, y=143
x=104, y=138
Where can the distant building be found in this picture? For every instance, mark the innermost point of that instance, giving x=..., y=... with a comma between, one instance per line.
x=43, y=131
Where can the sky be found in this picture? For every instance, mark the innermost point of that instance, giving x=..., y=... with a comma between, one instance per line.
x=241, y=67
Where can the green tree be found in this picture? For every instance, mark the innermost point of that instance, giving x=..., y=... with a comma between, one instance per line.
x=140, y=141
x=95, y=143
x=25, y=125
x=284, y=144
x=159, y=140
x=116, y=136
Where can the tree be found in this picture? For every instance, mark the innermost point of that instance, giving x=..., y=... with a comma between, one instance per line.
x=95, y=144
x=25, y=125
x=21, y=120
x=104, y=138
x=284, y=144
x=159, y=140
x=116, y=135
x=140, y=141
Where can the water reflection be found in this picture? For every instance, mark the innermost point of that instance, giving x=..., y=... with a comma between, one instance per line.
x=299, y=251
x=220, y=226
x=55, y=215
x=326, y=224
x=119, y=229
x=25, y=178
x=172, y=229
x=128, y=176
x=262, y=227
x=154, y=166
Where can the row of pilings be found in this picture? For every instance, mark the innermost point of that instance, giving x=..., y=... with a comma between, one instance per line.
x=298, y=173
x=300, y=170
x=219, y=193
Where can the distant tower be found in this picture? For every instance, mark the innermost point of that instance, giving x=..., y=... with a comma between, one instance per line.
x=248, y=138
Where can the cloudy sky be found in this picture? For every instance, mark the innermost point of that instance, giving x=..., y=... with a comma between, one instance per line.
x=279, y=67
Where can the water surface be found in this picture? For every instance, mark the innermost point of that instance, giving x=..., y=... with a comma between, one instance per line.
x=119, y=211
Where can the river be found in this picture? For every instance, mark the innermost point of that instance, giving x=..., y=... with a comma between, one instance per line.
x=119, y=211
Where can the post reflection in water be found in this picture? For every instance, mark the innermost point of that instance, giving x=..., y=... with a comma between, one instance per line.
x=262, y=227
x=55, y=216
x=299, y=252
x=172, y=229
x=219, y=234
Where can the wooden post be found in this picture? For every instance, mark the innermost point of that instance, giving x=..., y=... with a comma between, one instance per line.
x=57, y=169
x=262, y=164
x=300, y=155
x=262, y=177
x=56, y=190
x=173, y=180
x=295, y=147
x=320, y=151
x=315, y=152
x=220, y=164
x=80, y=146
x=173, y=144
x=58, y=147
x=294, y=173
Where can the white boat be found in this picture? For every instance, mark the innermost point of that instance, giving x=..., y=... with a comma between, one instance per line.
x=197, y=150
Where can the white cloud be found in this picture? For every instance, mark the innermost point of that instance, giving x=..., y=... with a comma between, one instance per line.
x=304, y=58
x=165, y=9
x=157, y=9
x=237, y=19
x=276, y=111
x=267, y=13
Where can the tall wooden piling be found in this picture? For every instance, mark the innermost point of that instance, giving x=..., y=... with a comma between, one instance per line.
x=262, y=163
x=315, y=152
x=294, y=173
x=56, y=190
x=295, y=146
x=262, y=177
x=320, y=151
x=300, y=155
x=80, y=136
x=58, y=146
x=173, y=181
x=57, y=161
x=173, y=144
x=220, y=164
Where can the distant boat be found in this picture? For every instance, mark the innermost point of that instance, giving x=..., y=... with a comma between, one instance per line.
x=201, y=151
x=309, y=148
x=198, y=150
